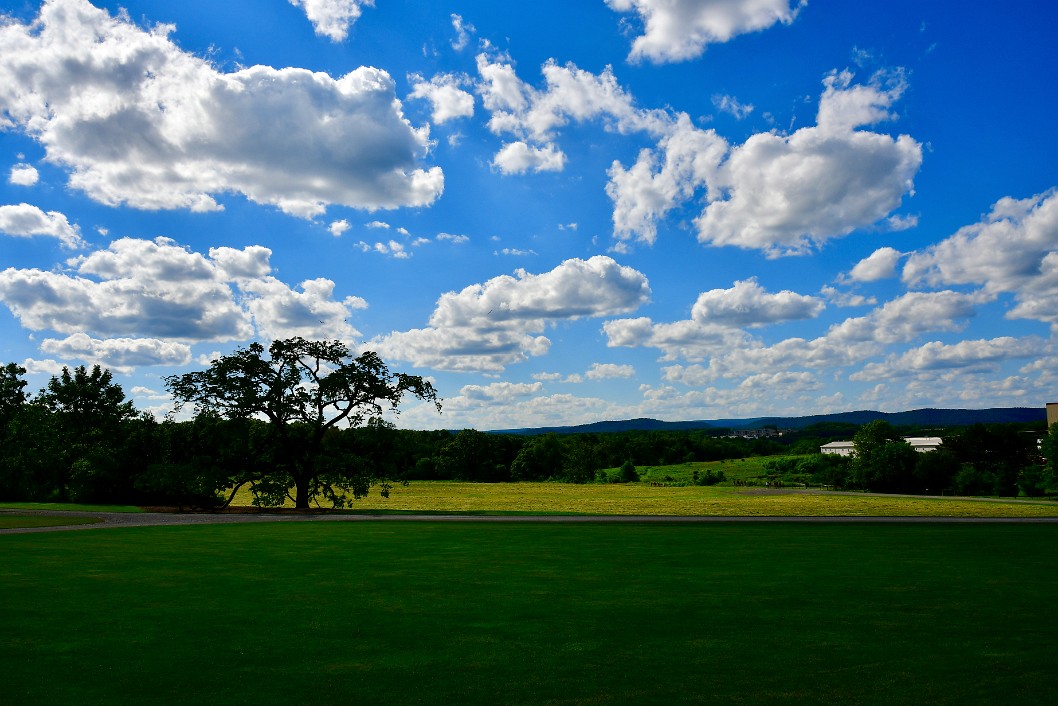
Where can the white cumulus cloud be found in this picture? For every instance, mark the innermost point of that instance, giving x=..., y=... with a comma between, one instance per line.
x=780, y=194
x=970, y=355
x=1013, y=248
x=157, y=290
x=677, y=30
x=730, y=104
x=486, y=327
x=570, y=94
x=609, y=371
x=332, y=18
x=391, y=249
x=908, y=316
x=881, y=264
x=121, y=354
x=154, y=127
x=519, y=158
x=24, y=175
x=500, y=391
x=463, y=31
x=445, y=94
x=785, y=195
x=1004, y=251
x=26, y=221
x=747, y=304
x=686, y=160
x=338, y=227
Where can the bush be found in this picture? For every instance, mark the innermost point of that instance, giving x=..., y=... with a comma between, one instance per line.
x=971, y=480
x=709, y=478
x=628, y=473
x=1032, y=481
x=826, y=469
x=180, y=484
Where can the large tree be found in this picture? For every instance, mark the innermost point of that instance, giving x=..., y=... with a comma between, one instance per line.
x=90, y=410
x=306, y=390
x=12, y=391
x=882, y=460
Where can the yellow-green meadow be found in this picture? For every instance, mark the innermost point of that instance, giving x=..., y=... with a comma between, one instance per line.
x=645, y=499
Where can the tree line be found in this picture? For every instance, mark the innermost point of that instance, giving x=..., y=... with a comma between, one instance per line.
x=299, y=421
x=270, y=418
x=980, y=459
x=302, y=421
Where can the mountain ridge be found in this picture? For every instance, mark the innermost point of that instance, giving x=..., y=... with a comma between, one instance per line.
x=916, y=417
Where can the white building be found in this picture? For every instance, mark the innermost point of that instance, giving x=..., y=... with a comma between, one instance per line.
x=838, y=448
x=922, y=444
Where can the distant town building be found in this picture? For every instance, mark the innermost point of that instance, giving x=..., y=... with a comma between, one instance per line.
x=922, y=444
x=1052, y=413
x=838, y=448
x=765, y=433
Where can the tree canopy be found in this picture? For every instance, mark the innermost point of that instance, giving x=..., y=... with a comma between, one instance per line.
x=304, y=389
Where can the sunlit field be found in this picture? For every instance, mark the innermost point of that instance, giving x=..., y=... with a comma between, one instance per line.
x=644, y=499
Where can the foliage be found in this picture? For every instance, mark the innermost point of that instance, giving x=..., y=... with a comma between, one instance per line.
x=89, y=410
x=826, y=469
x=12, y=391
x=540, y=458
x=80, y=439
x=1032, y=481
x=868, y=461
x=992, y=458
x=304, y=389
x=581, y=460
x=935, y=471
x=628, y=473
x=475, y=456
x=31, y=455
x=1049, y=451
x=709, y=478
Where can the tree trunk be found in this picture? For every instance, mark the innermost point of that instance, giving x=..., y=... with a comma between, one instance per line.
x=301, y=493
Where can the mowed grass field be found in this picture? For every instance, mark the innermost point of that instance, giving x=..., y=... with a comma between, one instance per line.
x=643, y=499
x=15, y=521
x=382, y=612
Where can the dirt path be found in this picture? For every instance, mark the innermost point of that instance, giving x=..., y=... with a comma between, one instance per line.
x=113, y=520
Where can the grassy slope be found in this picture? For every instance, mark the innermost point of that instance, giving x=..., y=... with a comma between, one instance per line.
x=748, y=469
x=383, y=612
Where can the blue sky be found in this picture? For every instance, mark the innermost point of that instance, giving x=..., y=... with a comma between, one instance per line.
x=558, y=212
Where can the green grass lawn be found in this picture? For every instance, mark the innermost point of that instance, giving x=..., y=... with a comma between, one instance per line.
x=395, y=612
x=12, y=521
x=76, y=507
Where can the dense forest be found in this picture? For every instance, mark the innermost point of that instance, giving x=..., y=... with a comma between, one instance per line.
x=80, y=439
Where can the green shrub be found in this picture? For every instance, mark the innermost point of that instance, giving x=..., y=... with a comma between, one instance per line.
x=628, y=473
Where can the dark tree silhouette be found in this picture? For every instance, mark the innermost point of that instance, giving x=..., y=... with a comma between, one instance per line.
x=90, y=409
x=305, y=389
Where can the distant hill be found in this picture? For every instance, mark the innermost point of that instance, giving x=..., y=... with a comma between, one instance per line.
x=605, y=427
x=917, y=417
